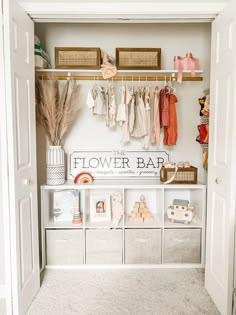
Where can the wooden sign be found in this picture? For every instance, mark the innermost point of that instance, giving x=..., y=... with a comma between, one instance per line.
x=122, y=164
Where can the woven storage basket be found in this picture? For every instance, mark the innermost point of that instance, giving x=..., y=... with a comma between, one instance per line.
x=77, y=58
x=138, y=58
x=186, y=175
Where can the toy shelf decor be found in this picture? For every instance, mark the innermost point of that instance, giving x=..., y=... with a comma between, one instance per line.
x=138, y=231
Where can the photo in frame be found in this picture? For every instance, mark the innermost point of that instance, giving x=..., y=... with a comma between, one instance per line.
x=100, y=208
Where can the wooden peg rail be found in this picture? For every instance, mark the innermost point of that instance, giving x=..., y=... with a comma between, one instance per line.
x=118, y=78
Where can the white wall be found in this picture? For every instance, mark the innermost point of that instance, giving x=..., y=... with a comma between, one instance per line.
x=89, y=132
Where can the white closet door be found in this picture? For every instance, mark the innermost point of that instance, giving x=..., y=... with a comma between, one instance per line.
x=22, y=182
x=222, y=161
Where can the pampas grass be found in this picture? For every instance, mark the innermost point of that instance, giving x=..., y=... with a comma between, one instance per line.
x=55, y=111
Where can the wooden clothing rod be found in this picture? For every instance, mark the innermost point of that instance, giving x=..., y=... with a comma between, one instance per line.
x=119, y=78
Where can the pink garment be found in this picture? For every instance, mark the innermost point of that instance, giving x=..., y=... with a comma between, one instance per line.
x=171, y=132
x=140, y=123
x=147, y=97
x=164, y=107
x=155, y=138
x=107, y=69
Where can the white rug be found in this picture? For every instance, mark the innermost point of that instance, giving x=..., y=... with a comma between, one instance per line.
x=118, y=292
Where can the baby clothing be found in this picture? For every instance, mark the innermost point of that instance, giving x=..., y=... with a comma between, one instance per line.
x=147, y=97
x=155, y=137
x=171, y=131
x=140, y=123
x=164, y=107
x=96, y=100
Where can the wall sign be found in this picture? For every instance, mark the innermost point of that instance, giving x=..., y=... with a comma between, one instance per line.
x=105, y=164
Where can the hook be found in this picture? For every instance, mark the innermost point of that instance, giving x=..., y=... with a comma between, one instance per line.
x=68, y=75
x=173, y=76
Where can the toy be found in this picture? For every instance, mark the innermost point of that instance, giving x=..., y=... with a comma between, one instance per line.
x=180, y=211
x=83, y=178
x=117, y=208
x=76, y=217
x=140, y=212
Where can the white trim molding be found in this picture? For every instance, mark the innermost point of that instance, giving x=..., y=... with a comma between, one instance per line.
x=52, y=11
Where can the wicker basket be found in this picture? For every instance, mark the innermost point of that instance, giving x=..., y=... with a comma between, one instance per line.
x=77, y=58
x=183, y=175
x=138, y=58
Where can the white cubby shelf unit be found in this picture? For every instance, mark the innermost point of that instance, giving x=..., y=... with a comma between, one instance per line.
x=159, y=243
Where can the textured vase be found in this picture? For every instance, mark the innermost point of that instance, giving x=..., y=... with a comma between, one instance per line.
x=55, y=165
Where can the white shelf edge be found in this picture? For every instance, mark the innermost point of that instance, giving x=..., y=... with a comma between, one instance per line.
x=118, y=71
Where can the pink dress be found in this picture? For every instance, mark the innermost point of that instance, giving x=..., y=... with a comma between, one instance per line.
x=155, y=139
x=164, y=107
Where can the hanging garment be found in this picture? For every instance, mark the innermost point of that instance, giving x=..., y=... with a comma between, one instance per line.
x=147, y=97
x=121, y=110
x=155, y=138
x=164, y=107
x=171, y=132
x=132, y=111
x=125, y=126
x=140, y=122
x=96, y=100
x=111, y=107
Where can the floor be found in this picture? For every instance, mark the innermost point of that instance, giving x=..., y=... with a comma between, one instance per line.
x=123, y=291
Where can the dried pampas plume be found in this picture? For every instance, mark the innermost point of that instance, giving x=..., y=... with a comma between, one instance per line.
x=55, y=111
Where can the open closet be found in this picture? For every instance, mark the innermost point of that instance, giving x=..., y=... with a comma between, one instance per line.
x=211, y=246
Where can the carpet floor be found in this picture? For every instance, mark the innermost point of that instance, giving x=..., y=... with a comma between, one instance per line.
x=123, y=291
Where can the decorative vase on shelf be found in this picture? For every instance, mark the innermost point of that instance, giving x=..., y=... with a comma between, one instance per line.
x=55, y=165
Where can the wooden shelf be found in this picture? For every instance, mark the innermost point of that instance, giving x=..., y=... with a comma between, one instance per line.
x=122, y=75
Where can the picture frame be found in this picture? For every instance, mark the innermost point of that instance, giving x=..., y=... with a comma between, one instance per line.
x=100, y=208
x=77, y=58
x=138, y=58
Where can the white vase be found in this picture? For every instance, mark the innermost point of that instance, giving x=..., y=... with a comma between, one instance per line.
x=55, y=165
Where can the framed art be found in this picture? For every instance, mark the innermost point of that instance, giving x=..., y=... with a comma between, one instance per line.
x=138, y=58
x=100, y=208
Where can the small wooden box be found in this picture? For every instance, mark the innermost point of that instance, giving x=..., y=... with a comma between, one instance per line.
x=77, y=58
x=138, y=58
x=186, y=175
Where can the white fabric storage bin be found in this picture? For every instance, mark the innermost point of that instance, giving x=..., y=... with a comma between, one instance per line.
x=64, y=247
x=182, y=246
x=143, y=246
x=103, y=247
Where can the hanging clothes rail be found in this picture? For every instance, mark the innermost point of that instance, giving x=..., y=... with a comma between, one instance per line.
x=118, y=78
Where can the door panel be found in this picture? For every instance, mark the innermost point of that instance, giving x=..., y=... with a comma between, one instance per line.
x=20, y=98
x=222, y=156
x=22, y=122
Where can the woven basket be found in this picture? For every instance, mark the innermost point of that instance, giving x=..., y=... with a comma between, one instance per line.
x=186, y=175
x=77, y=58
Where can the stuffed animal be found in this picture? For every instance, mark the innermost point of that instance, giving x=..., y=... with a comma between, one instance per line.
x=117, y=208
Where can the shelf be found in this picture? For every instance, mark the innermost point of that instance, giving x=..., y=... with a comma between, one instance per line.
x=138, y=225
x=123, y=183
x=196, y=223
x=62, y=225
x=101, y=225
x=126, y=75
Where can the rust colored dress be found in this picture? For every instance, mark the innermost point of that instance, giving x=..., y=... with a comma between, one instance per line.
x=171, y=132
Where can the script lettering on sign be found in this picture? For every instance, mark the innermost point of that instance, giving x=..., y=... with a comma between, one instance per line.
x=111, y=164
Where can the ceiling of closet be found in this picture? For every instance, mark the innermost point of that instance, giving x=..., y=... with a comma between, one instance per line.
x=111, y=11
